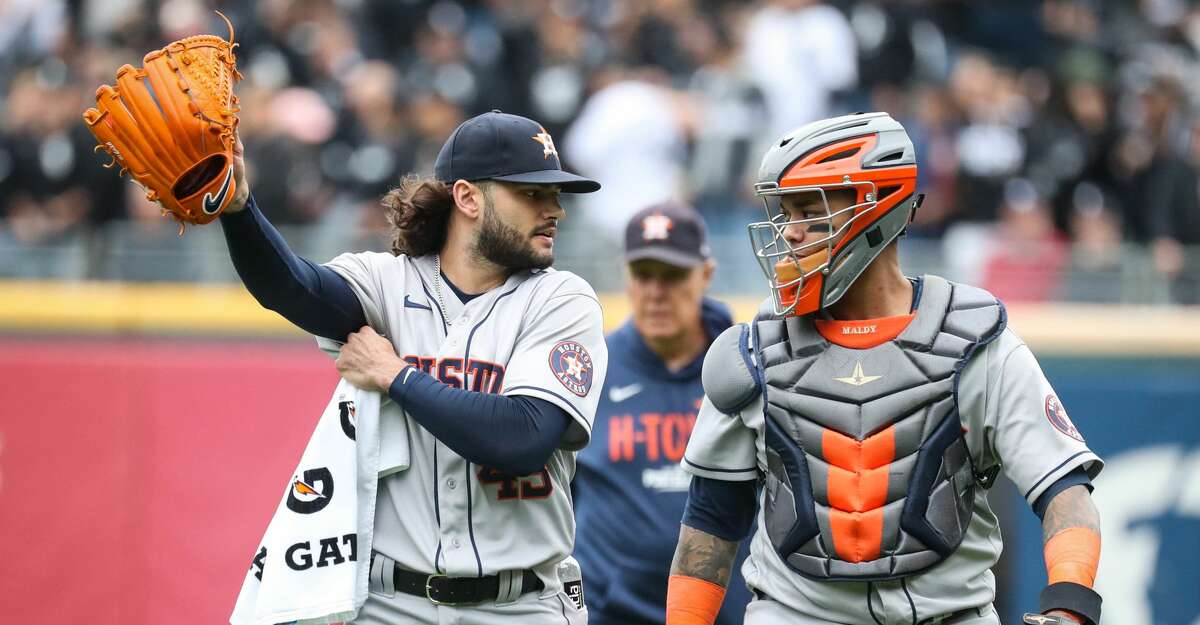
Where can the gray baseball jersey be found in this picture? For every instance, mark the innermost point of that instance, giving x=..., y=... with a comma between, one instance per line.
x=1012, y=418
x=539, y=334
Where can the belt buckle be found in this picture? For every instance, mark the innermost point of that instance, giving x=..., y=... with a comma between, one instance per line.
x=429, y=589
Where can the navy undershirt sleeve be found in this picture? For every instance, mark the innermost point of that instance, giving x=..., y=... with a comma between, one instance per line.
x=513, y=434
x=722, y=508
x=312, y=296
x=1077, y=477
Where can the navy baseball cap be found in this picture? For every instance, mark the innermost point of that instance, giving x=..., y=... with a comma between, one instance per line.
x=672, y=233
x=511, y=148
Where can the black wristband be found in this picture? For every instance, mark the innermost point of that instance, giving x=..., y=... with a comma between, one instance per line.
x=1075, y=598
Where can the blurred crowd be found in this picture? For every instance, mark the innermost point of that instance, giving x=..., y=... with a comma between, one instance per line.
x=1039, y=123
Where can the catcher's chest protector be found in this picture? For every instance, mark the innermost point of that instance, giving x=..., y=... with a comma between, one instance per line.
x=868, y=474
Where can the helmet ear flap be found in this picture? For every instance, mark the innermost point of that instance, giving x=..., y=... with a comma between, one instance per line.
x=912, y=212
x=917, y=202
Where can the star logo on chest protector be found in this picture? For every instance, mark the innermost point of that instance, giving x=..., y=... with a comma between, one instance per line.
x=858, y=378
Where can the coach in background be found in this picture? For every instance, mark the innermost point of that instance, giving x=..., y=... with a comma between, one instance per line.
x=630, y=489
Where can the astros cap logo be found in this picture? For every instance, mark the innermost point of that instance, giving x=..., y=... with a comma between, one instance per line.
x=656, y=226
x=547, y=142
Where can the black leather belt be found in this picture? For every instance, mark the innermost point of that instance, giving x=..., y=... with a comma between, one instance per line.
x=443, y=590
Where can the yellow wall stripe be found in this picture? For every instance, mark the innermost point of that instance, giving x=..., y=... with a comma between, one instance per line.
x=228, y=310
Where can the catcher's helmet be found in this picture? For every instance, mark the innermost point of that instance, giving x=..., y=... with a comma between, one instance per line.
x=869, y=153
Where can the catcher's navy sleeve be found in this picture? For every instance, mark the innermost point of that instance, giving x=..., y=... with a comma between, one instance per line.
x=312, y=296
x=515, y=434
x=1077, y=477
x=722, y=508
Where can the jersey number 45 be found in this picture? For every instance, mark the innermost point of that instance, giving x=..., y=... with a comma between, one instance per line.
x=536, y=485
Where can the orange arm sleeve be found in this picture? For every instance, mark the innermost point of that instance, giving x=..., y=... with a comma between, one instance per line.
x=1072, y=555
x=693, y=601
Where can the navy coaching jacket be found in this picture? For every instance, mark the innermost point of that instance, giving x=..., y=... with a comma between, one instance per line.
x=629, y=488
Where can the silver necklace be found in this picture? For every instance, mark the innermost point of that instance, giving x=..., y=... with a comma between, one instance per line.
x=437, y=285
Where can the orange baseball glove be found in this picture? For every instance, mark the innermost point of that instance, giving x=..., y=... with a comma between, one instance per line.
x=172, y=124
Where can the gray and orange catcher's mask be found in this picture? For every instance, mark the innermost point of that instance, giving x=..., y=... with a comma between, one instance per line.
x=869, y=153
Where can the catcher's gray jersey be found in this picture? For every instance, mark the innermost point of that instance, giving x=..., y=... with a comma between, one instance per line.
x=1011, y=418
x=539, y=334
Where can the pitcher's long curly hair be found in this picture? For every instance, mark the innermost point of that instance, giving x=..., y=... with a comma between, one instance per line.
x=419, y=213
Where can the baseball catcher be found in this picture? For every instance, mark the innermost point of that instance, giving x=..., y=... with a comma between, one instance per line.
x=868, y=412
x=172, y=125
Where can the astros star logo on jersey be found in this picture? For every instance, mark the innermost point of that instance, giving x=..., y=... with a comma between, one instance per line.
x=547, y=142
x=656, y=227
x=572, y=366
x=1059, y=419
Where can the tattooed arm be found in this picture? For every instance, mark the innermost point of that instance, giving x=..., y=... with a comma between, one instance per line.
x=699, y=574
x=703, y=556
x=1071, y=538
x=1071, y=508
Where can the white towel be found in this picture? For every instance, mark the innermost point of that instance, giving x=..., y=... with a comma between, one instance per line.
x=313, y=563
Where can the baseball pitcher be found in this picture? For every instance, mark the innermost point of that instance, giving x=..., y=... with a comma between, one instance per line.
x=497, y=358
x=494, y=359
x=874, y=410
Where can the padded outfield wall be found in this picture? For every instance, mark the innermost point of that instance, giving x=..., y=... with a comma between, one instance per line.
x=147, y=433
